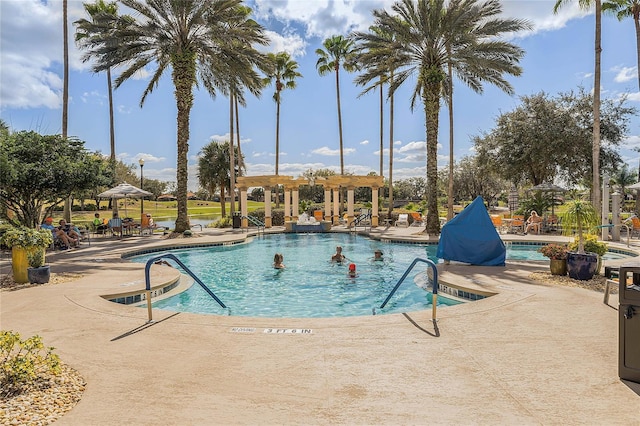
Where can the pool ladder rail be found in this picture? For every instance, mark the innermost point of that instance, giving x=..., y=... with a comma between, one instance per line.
x=147, y=280
x=255, y=222
x=434, y=290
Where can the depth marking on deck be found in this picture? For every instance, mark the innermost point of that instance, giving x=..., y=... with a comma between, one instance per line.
x=288, y=331
x=243, y=330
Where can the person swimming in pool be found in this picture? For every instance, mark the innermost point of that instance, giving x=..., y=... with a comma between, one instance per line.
x=338, y=256
x=377, y=255
x=277, y=261
x=352, y=271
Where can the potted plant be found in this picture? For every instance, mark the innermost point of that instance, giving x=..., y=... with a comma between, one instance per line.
x=592, y=245
x=23, y=241
x=580, y=216
x=38, y=273
x=557, y=254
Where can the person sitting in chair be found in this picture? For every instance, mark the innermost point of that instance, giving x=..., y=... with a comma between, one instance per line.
x=534, y=222
x=71, y=232
x=60, y=237
x=99, y=224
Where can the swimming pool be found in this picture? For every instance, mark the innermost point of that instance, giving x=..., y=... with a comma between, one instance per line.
x=241, y=275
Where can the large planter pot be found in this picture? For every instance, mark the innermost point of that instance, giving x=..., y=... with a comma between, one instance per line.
x=19, y=264
x=39, y=275
x=558, y=266
x=581, y=266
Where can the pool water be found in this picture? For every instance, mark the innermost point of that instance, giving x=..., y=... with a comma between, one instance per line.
x=242, y=276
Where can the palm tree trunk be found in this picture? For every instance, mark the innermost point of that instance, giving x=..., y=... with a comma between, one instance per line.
x=636, y=21
x=240, y=160
x=450, y=188
x=391, y=119
x=381, y=129
x=339, y=122
x=232, y=159
x=112, y=138
x=184, y=77
x=65, y=92
x=432, y=110
x=277, y=146
x=596, y=111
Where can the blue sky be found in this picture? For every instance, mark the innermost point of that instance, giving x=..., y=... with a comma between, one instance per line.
x=559, y=57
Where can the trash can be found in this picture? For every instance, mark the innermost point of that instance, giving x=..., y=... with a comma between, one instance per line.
x=629, y=323
x=237, y=220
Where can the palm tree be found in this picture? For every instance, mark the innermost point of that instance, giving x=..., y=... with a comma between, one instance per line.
x=285, y=72
x=65, y=91
x=595, y=149
x=624, y=177
x=84, y=27
x=213, y=170
x=339, y=52
x=207, y=40
x=423, y=30
x=368, y=59
x=624, y=9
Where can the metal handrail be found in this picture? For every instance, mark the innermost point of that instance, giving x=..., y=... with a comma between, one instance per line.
x=147, y=279
x=359, y=219
x=434, y=290
x=255, y=222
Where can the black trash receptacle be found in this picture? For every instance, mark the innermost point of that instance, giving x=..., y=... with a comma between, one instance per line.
x=237, y=220
x=629, y=323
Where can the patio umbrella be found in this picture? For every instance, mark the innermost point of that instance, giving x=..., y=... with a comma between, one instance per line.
x=124, y=190
x=552, y=188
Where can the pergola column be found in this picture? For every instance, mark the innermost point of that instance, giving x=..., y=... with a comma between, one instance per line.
x=350, y=197
x=295, y=206
x=374, y=206
x=243, y=207
x=267, y=207
x=327, y=203
x=336, y=207
x=287, y=204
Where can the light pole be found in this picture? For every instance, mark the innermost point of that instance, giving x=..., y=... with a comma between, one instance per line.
x=141, y=162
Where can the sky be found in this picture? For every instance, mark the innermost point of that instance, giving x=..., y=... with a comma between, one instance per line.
x=558, y=58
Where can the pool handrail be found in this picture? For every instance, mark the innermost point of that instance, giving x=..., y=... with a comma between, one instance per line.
x=147, y=279
x=434, y=290
x=359, y=219
x=256, y=222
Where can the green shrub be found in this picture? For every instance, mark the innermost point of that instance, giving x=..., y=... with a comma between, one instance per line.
x=591, y=245
x=224, y=222
x=187, y=233
x=24, y=362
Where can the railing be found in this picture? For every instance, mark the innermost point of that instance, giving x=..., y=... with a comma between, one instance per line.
x=434, y=290
x=255, y=222
x=147, y=279
x=359, y=219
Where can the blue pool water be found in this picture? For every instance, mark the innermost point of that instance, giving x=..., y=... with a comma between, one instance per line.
x=242, y=276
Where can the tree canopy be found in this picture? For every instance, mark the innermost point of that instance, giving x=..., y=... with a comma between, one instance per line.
x=41, y=171
x=551, y=137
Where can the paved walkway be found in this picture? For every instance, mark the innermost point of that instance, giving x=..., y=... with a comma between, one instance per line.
x=532, y=354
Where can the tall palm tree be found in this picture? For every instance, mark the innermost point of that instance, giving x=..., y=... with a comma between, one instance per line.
x=83, y=32
x=423, y=30
x=595, y=149
x=367, y=60
x=624, y=9
x=285, y=72
x=207, y=40
x=65, y=91
x=340, y=52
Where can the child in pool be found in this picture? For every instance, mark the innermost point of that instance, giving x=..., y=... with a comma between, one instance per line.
x=352, y=271
x=277, y=261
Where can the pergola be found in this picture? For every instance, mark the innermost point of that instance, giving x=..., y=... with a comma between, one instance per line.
x=331, y=185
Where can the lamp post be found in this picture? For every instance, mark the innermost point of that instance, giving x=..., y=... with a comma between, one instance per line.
x=141, y=162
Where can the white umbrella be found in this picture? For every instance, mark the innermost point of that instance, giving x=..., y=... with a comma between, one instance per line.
x=124, y=190
x=634, y=186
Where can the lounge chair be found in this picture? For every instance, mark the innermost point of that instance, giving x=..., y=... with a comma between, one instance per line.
x=115, y=226
x=497, y=222
x=403, y=220
x=417, y=219
x=517, y=223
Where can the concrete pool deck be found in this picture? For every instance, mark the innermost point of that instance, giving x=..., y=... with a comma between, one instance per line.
x=532, y=354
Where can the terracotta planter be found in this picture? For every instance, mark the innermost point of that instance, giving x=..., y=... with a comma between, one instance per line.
x=581, y=266
x=558, y=267
x=39, y=275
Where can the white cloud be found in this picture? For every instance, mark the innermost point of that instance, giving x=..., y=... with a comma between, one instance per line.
x=364, y=142
x=291, y=43
x=625, y=74
x=326, y=151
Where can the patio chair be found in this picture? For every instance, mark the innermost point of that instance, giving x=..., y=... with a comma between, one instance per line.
x=417, y=219
x=403, y=220
x=517, y=223
x=496, y=219
x=634, y=226
x=115, y=226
